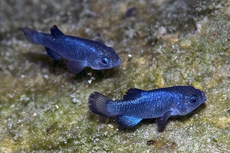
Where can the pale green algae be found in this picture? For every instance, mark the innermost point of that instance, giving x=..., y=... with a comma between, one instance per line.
x=44, y=108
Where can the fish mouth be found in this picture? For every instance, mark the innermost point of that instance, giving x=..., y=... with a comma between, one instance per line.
x=118, y=62
x=204, y=97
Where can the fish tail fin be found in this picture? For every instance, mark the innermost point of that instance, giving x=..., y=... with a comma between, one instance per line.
x=97, y=104
x=31, y=35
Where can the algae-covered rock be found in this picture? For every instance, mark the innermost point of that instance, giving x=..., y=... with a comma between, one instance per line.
x=44, y=107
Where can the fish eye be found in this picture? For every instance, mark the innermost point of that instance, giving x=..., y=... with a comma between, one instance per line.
x=105, y=60
x=193, y=99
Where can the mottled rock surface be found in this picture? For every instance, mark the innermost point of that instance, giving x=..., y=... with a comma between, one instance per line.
x=44, y=107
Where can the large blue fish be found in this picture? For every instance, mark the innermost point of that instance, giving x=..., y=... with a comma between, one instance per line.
x=138, y=104
x=80, y=52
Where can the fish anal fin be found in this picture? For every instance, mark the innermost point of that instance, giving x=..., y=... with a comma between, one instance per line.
x=127, y=121
x=75, y=66
x=133, y=93
x=162, y=120
x=55, y=31
x=53, y=54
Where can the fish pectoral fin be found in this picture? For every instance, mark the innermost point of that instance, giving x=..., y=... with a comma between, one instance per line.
x=55, y=31
x=127, y=121
x=75, y=66
x=53, y=54
x=133, y=93
x=162, y=120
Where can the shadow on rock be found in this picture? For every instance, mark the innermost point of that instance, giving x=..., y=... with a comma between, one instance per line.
x=181, y=118
x=55, y=67
x=60, y=67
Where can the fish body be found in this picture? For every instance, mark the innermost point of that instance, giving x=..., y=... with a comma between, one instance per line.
x=138, y=104
x=80, y=52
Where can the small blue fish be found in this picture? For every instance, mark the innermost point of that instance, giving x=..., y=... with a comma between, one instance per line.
x=138, y=104
x=80, y=52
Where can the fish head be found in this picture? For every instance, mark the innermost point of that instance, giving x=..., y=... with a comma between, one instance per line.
x=104, y=58
x=192, y=98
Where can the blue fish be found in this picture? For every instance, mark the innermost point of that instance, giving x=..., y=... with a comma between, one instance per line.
x=79, y=52
x=138, y=104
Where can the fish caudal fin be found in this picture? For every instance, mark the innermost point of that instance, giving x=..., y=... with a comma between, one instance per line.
x=127, y=121
x=31, y=35
x=97, y=104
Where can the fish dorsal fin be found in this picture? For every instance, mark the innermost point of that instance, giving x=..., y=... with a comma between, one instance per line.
x=133, y=93
x=55, y=31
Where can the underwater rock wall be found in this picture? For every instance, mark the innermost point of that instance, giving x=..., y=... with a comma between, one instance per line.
x=44, y=107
